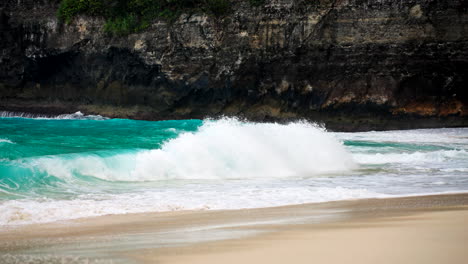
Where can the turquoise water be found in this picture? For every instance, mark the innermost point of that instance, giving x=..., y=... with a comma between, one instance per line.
x=78, y=166
x=24, y=141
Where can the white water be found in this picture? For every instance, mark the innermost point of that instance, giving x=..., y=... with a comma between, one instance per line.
x=410, y=158
x=228, y=164
x=7, y=141
x=76, y=115
x=440, y=136
x=224, y=149
x=190, y=197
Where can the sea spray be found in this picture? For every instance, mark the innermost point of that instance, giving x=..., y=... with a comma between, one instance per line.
x=230, y=149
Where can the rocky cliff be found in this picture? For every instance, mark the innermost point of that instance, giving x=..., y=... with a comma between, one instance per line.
x=352, y=64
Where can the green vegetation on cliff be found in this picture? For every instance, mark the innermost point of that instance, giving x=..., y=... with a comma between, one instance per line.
x=128, y=16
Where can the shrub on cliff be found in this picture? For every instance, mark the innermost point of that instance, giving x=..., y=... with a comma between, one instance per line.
x=70, y=8
x=128, y=16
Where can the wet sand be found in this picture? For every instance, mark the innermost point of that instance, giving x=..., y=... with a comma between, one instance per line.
x=423, y=229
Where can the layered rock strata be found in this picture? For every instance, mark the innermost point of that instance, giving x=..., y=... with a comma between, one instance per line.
x=352, y=64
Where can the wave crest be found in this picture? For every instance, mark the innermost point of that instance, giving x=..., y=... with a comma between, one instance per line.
x=222, y=149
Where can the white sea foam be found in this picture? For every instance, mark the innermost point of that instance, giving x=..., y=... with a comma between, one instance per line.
x=223, y=149
x=411, y=158
x=451, y=136
x=79, y=115
x=76, y=115
x=228, y=164
x=4, y=114
x=17, y=212
x=455, y=169
x=7, y=141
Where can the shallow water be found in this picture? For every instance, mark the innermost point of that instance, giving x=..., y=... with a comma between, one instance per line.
x=76, y=166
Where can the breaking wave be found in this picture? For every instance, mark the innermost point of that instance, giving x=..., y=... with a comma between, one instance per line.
x=54, y=170
x=223, y=149
x=76, y=115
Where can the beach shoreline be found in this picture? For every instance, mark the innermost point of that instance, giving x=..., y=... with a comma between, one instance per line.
x=248, y=234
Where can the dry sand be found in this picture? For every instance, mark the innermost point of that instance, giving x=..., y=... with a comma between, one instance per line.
x=425, y=229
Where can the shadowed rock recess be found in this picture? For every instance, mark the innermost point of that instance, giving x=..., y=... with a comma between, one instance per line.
x=351, y=64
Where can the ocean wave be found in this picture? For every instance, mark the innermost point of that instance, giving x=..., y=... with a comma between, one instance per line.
x=211, y=164
x=77, y=115
x=222, y=149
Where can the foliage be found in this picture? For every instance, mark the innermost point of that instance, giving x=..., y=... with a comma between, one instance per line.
x=128, y=16
x=123, y=25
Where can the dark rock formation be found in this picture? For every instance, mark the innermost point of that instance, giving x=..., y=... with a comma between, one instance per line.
x=352, y=64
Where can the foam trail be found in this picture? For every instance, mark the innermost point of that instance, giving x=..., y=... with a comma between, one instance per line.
x=439, y=136
x=415, y=157
x=223, y=149
x=17, y=212
x=76, y=115
x=3, y=140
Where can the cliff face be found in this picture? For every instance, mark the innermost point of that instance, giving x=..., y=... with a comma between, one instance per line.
x=353, y=64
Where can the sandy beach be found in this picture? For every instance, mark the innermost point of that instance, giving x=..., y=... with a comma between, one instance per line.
x=424, y=229
x=438, y=236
